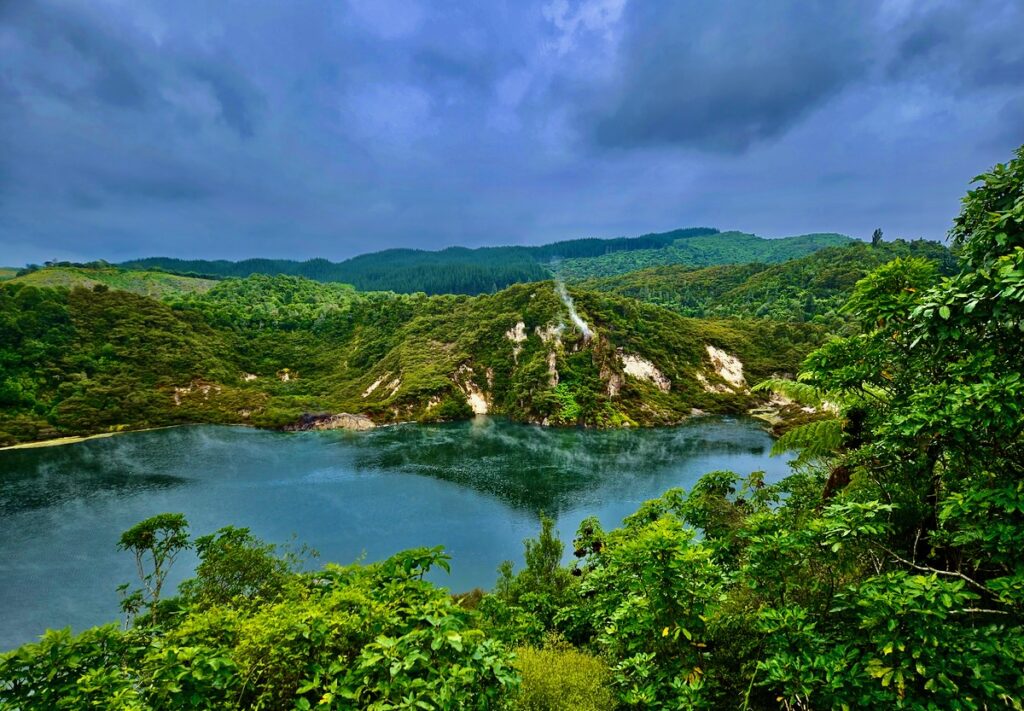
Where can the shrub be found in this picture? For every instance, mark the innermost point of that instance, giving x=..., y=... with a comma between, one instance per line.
x=561, y=677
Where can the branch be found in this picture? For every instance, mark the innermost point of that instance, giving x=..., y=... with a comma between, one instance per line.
x=937, y=571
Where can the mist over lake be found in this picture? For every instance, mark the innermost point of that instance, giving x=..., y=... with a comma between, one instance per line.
x=475, y=487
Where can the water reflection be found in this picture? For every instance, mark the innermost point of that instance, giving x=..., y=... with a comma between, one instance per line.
x=475, y=488
x=544, y=469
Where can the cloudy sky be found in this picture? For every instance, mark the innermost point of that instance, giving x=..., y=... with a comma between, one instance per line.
x=306, y=128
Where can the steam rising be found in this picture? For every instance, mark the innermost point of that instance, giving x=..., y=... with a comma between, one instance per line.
x=575, y=317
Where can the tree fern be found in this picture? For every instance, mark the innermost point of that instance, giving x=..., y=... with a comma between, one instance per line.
x=815, y=439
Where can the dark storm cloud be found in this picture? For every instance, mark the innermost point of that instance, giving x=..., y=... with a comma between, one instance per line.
x=110, y=67
x=972, y=45
x=328, y=128
x=725, y=75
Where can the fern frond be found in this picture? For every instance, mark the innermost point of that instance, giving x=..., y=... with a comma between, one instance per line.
x=815, y=439
x=802, y=393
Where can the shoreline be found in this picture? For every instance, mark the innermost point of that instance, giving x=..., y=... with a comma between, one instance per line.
x=75, y=439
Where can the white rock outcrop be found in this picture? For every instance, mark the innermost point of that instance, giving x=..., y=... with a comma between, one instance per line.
x=727, y=367
x=643, y=369
x=552, y=333
x=374, y=385
x=476, y=397
x=517, y=334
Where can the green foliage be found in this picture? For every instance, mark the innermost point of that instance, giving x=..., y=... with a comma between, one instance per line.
x=802, y=393
x=374, y=637
x=155, y=543
x=701, y=251
x=885, y=572
x=455, y=270
x=526, y=602
x=235, y=564
x=266, y=350
x=262, y=302
x=451, y=271
x=810, y=288
x=64, y=671
x=154, y=284
x=813, y=439
x=560, y=678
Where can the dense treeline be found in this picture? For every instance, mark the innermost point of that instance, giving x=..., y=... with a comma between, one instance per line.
x=886, y=572
x=701, y=251
x=812, y=288
x=453, y=271
x=458, y=270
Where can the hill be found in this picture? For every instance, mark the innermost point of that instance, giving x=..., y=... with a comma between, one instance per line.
x=266, y=350
x=156, y=284
x=701, y=251
x=7, y=273
x=459, y=270
x=810, y=288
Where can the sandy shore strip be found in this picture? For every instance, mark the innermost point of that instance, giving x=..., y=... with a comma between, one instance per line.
x=58, y=441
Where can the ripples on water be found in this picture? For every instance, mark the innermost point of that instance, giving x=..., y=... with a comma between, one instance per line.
x=475, y=487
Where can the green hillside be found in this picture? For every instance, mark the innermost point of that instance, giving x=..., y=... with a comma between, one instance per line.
x=7, y=273
x=265, y=350
x=156, y=284
x=458, y=270
x=811, y=288
x=702, y=251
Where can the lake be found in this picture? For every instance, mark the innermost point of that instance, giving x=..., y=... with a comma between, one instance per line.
x=475, y=487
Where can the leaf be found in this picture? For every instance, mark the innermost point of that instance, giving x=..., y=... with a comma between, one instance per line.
x=944, y=312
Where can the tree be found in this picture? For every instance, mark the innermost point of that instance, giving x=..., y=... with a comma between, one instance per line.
x=876, y=237
x=235, y=564
x=156, y=543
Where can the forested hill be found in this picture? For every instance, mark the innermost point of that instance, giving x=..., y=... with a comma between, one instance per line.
x=811, y=288
x=265, y=350
x=455, y=270
x=459, y=270
x=702, y=251
x=147, y=283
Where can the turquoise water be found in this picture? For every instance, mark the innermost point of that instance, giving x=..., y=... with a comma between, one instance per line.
x=475, y=487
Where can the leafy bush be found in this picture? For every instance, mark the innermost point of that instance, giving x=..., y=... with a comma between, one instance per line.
x=562, y=678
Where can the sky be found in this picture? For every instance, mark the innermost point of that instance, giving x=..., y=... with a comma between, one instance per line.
x=329, y=128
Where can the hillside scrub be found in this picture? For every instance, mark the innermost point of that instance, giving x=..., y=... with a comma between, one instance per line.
x=810, y=288
x=266, y=350
x=155, y=284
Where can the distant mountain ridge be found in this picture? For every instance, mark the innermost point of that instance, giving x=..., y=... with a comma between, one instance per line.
x=461, y=270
